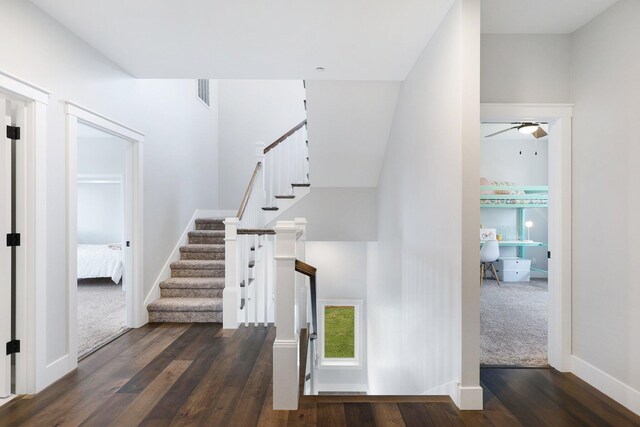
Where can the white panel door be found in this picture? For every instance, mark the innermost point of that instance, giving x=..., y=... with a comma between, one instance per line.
x=5, y=251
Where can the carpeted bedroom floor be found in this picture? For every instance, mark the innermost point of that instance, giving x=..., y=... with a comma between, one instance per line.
x=513, y=323
x=101, y=313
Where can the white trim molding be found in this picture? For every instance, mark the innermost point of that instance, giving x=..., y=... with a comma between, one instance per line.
x=468, y=398
x=358, y=319
x=31, y=211
x=75, y=115
x=559, y=117
x=612, y=387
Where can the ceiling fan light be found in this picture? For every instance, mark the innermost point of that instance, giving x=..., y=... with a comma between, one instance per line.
x=528, y=128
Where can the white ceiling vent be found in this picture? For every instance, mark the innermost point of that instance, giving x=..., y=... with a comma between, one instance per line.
x=203, y=91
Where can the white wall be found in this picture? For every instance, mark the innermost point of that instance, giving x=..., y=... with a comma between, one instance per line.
x=416, y=267
x=342, y=274
x=252, y=111
x=349, y=124
x=606, y=200
x=516, y=161
x=101, y=206
x=527, y=68
x=337, y=214
x=181, y=156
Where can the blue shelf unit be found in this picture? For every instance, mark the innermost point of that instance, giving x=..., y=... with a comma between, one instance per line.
x=521, y=198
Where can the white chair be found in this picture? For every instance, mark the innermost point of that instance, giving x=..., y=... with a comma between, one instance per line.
x=489, y=253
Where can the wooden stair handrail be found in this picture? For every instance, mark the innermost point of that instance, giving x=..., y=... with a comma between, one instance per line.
x=247, y=194
x=306, y=269
x=309, y=270
x=293, y=130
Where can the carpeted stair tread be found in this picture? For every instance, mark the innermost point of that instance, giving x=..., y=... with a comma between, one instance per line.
x=198, y=264
x=193, y=283
x=186, y=304
x=202, y=248
x=210, y=224
x=207, y=233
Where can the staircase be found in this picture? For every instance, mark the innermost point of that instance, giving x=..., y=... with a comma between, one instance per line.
x=194, y=291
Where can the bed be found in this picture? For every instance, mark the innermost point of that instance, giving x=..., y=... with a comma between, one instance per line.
x=497, y=194
x=96, y=261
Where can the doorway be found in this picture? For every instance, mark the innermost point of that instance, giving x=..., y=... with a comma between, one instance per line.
x=104, y=229
x=514, y=220
x=557, y=118
x=102, y=190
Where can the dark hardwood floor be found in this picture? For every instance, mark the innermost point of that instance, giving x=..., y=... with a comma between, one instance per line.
x=200, y=375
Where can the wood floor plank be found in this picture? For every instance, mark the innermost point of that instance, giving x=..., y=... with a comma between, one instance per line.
x=143, y=378
x=387, y=414
x=494, y=413
x=194, y=375
x=146, y=400
x=564, y=401
x=234, y=382
x=166, y=409
x=359, y=414
x=415, y=415
x=79, y=402
x=597, y=402
x=331, y=415
x=444, y=414
x=18, y=411
x=269, y=417
x=204, y=395
x=513, y=388
x=112, y=407
x=251, y=400
x=306, y=415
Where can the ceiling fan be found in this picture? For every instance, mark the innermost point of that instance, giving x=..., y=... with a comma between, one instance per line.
x=534, y=129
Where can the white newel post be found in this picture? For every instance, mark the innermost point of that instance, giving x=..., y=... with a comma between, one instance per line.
x=301, y=279
x=286, y=346
x=230, y=295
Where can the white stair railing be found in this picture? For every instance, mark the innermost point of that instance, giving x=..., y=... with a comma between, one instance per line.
x=248, y=296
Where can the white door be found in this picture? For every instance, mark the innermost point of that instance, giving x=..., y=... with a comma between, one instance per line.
x=5, y=251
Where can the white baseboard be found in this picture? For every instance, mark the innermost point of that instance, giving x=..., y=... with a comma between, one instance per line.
x=612, y=387
x=347, y=388
x=468, y=398
x=165, y=273
x=4, y=400
x=55, y=370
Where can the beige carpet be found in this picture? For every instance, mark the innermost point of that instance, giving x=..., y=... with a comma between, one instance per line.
x=101, y=313
x=513, y=323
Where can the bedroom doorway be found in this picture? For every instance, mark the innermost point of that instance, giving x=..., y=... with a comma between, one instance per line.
x=103, y=283
x=555, y=120
x=514, y=219
x=104, y=194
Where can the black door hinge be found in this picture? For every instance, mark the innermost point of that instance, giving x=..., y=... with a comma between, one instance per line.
x=307, y=377
x=13, y=239
x=128, y=244
x=13, y=347
x=13, y=132
x=549, y=254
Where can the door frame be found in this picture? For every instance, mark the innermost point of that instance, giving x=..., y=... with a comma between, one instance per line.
x=31, y=372
x=133, y=211
x=559, y=117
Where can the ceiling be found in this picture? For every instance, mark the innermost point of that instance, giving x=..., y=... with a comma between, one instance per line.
x=539, y=16
x=279, y=39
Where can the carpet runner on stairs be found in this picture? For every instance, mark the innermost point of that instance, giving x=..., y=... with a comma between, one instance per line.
x=194, y=291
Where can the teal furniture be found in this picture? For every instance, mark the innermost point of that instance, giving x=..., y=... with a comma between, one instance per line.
x=525, y=197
